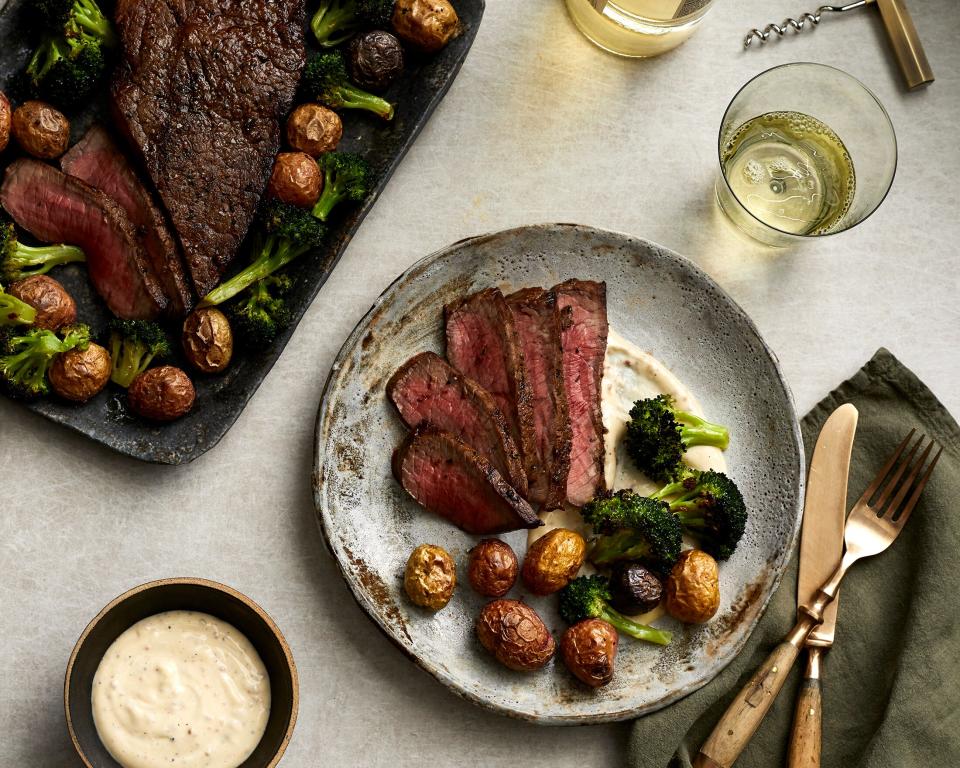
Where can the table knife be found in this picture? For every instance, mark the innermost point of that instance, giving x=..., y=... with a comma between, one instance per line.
x=738, y=724
x=821, y=548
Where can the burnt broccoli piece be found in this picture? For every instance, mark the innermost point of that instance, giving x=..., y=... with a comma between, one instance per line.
x=335, y=21
x=262, y=312
x=588, y=597
x=633, y=527
x=134, y=344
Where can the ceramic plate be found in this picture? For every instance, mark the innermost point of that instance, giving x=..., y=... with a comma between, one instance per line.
x=663, y=303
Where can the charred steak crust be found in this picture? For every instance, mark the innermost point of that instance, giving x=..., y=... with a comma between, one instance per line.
x=57, y=208
x=426, y=388
x=199, y=92
x=483, y=344
x=447, y=477
x=97, y=160
x=538, y=325
x=583, y=317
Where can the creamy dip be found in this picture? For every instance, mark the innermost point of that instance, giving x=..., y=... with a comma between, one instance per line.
x=181, y=688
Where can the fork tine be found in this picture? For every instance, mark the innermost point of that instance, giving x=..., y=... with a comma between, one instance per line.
x=912, y=501
x=891, y=485
x=881, y=475
x=904, y=489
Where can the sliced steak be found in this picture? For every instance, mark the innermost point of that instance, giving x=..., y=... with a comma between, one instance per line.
x=583, y=337
x=97, y=160
x=537, y=321
x=449, y=478
x=199, y=92
x=482, y=343
x=57, y=208
x=427, y=389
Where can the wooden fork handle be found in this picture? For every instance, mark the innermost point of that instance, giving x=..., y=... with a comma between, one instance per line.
x=805, y=740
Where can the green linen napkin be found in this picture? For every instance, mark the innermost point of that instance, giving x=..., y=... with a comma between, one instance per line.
x=891, y=688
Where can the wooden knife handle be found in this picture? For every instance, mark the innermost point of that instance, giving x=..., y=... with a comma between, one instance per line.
x=805, y=740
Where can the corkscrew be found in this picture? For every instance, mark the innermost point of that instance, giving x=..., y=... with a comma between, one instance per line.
x=903, y=35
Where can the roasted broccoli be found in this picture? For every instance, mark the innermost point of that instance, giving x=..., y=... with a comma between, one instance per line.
x=633, y=527
x=133, y=346
x=325, y=80
x=287, y=232
x=75, y=19
x=336, y=20
x=262, y=312
x=13, y=311
x=346, y=176
x=711, y=509
x=658, y=435
x=25, y=357
x=18, y=261
x=588, y=597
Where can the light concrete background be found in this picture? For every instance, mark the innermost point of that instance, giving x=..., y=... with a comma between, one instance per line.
x=540, y=126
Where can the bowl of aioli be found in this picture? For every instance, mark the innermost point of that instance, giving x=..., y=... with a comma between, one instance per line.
x=186, y=659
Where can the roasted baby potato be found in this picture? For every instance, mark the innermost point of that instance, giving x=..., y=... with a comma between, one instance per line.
x=634, y=589
x=79, y=374
x=314, y=129
x=164, y=393
x=55, y=307
x=492, y=569
x=552, y=561
x=375, y=59
x=516, y=636
x=693, y=588
x=589, y=649
x=6, y=115
x=208, y=340
x=41, y=130
x=425, y=24
x=296, y=179
x=430, y=577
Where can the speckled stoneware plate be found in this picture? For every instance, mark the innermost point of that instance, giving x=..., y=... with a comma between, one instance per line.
x=663, y=303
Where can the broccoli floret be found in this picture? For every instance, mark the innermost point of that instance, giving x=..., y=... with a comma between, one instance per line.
x=633, y=527
x=336, y=20
x=711, y=509
x=133, y=346
x=658, y=435
x=18, y=261
x=13, y=311
x=325, y=79
x=346, y=177
x=25, y=357
x=75, y=19
x=264, y=313
x=288, y=232
x=588, y=597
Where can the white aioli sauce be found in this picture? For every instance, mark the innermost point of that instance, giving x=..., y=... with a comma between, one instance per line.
x=181, y=688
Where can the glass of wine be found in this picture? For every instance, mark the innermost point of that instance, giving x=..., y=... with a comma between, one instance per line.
x=805, y=150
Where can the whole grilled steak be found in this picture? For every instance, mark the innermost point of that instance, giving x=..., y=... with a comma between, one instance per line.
x=57, y=208
x=97, y=160
x=427, y=389
x=583, y=340
x=199, y=91
x=482, y=343
x=450, y=479
x=537, y=321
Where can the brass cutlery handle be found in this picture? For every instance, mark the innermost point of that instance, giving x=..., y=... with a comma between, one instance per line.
x=906, y=43
x=805, y=740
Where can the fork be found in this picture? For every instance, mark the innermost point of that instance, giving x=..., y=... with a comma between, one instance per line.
x=872, y=526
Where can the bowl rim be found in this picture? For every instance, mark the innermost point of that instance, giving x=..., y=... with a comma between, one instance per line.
x=197, y=582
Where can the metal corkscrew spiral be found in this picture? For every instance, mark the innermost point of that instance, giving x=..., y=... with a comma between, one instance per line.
x=797, y=25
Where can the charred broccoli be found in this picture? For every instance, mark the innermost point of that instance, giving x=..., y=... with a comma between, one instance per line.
x=133, y=346
x=588, y=597
x=13, y=311
x=325, y=80
x=346, y=177
x=263, y=312
x=336, y=20
x=26, y=356
x=633, y=527
x=658, y=435
x=18, y=261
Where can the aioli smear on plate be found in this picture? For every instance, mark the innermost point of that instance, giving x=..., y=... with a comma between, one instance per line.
x=181, y=688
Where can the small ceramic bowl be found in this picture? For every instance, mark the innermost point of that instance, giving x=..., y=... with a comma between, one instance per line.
x=189, y=595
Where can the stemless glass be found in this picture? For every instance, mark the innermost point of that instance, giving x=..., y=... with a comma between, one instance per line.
x=846, y=109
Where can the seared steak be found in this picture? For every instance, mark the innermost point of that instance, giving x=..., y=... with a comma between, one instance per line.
x=199, y=92
x=427, y=389
x=57, y=208
x=482, y=343
x=537, y=321
x=583, y=337
x=449, y=478
x=98, y=161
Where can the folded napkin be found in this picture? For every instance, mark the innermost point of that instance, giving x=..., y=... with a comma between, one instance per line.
x=891, y=688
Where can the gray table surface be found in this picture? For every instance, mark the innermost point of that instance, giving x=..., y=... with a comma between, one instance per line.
x=540, y=126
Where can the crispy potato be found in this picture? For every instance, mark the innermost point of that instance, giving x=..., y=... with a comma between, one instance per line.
x=6, y=116
x=314, y=129
x=79, y=374
x=634, y=589
x=208, y=340
x=553, y=560
x=296, y=179
x=375, y=59
x=161, y=394
x=516, y=636
x=589, y=649
x=430, y=577
x=55, y=307
x=492, y=569
x=693, y=589
x=41, y=130
x=425, y=24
